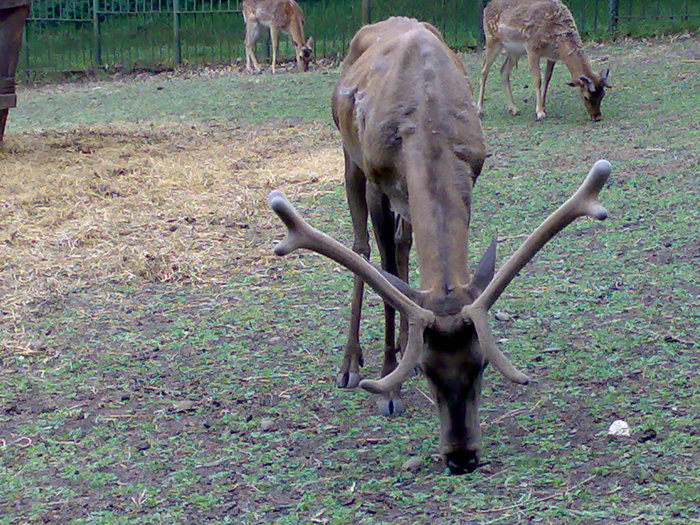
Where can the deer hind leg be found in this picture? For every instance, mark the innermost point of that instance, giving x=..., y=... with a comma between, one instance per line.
x=491, y=53
x=275, y=41
x=404, y=240
x=547, y=77
x=385, y=225
x=252, y=32
x=534, y=61
x=355, y=187
x=506, y=68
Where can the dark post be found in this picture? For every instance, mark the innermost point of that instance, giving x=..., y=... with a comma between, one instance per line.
x=481, y=37
x=366, y=12
x=614, y=9
x=13, y=16
x=177, y=40
x=25, y=46
x=96, y=36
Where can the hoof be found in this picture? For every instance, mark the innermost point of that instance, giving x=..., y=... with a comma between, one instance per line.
x=390, y=407
x=462, y=462
x=347, y=380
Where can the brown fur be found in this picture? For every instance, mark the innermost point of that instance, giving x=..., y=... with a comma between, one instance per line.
x=541, y=29
x=414, y=147
x=278, y=15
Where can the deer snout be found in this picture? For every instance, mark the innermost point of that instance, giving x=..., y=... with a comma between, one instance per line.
x=596, y=117
x=462, y=461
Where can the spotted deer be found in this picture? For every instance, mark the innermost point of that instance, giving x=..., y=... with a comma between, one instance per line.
x=413, y=150
x=539, y=29
x=277, y=15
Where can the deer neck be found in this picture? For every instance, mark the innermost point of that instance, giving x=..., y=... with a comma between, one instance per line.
x=296, y=29
x=440, y=215
x=575, y=59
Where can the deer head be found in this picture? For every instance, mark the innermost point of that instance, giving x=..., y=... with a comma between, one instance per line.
x=449, y=338
x=303, y=53
x=592, y=92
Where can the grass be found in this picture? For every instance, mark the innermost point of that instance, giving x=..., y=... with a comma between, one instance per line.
x=159, y=365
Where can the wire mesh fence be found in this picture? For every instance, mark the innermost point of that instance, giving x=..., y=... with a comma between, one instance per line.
x=79, y=35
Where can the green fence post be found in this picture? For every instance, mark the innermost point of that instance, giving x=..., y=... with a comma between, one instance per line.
x=96, y=33
x=366, y=12
x=177, y=41
x=614, y=10
x=481, y=37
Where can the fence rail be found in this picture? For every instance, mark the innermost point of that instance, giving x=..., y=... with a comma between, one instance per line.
x=80, y=35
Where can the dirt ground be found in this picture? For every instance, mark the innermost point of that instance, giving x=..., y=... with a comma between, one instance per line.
x=156, y=204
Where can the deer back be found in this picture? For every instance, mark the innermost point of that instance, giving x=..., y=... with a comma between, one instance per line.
x=283, y=14
x=407, y=118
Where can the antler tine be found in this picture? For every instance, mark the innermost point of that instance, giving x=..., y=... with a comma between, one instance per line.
x=583, y=202
x=301, y=235
x=416, y=329
x=488, y=344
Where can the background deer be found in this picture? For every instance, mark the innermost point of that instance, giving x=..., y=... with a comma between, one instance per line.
x=539, y=29
x=413, y=149
x=278, y=15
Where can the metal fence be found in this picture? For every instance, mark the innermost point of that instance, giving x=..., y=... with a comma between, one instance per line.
x=79, y=35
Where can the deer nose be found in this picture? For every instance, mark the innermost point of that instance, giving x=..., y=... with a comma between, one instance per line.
x=462, y=461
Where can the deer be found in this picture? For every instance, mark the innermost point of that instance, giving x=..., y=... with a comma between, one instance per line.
x=539, y=29
x=277, y=15
x=413, y=148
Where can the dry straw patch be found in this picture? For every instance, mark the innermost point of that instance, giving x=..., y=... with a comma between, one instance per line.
x=127, y=203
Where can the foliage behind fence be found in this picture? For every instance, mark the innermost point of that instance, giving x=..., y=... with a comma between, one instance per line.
x=77, y=35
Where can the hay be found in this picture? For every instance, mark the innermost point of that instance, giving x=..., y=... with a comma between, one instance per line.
x=121, y=204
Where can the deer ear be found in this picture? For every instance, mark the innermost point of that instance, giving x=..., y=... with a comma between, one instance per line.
x=604, y=78
x=310, y=42
x=585, y=81
x=485, y=270
x=574, y=83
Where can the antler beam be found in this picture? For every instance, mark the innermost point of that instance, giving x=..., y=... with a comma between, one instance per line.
x=416, y=329
x=488, y=344
x=301, y=235
x=583, y=202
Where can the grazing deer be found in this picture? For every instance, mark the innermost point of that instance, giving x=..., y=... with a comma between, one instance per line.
x=278, y=15
x=539, y=29
x=413, y=149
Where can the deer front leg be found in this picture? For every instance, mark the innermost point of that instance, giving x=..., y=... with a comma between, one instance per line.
x=547, y=77
x=506, y=68
x=355, y=188
x=534, y=61
x=491, y=53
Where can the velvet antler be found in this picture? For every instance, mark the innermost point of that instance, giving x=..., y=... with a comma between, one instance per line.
x=583, y=202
